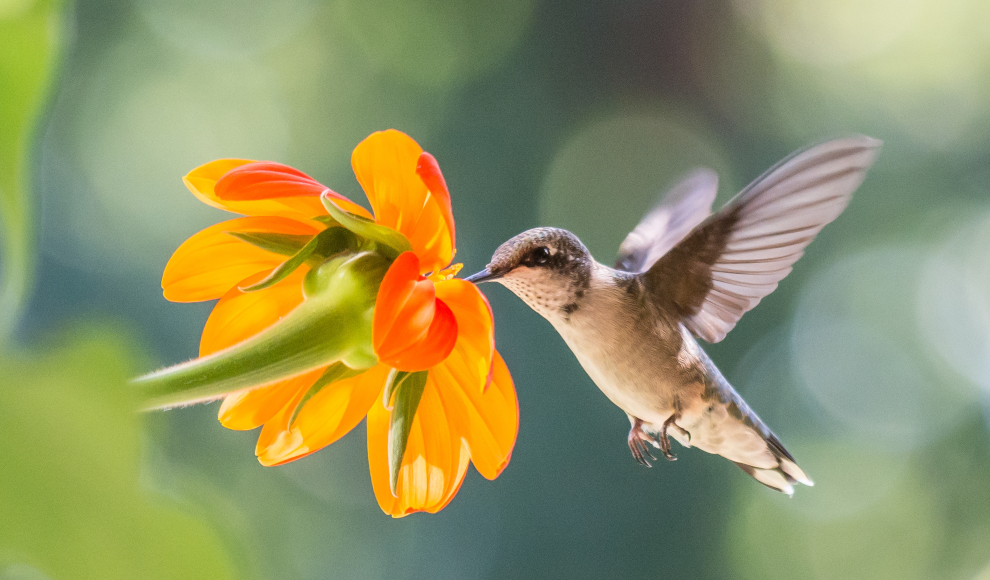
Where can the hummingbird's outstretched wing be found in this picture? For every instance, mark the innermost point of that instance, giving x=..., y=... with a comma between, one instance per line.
x=728, y=263
x=684, y=206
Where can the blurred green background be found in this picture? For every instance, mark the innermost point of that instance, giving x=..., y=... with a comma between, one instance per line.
x=871, y=361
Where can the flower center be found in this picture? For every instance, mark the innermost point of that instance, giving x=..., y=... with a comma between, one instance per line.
x=445, y=274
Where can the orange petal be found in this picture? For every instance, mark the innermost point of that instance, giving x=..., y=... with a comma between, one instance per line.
x=489, y=421
x=433, y=466
x=239, y=315
x=412, y=330
x=325, y=418
x=471, y=359
x=386, y=165
x=202, y=182
x=251, y=408
x=211, y=262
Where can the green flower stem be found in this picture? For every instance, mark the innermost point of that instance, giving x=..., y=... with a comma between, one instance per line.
x=332, y=324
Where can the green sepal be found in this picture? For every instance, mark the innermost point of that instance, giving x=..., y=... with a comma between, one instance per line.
x=332, y=324
x=282, y=271
x=395, y=378
x=338, y=371
x=407, y=396
x=390, y=242
x=323, y=245
x=331, y=242
x=284, y=244
x=327, y=221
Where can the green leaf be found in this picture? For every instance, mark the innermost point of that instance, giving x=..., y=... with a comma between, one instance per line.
x=338, y=371
x=390, y=242
x=285, y=244
x=407, y=396
x=30, y=44
x=332, y=324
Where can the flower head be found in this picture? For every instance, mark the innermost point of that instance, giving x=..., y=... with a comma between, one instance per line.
x=435, y=391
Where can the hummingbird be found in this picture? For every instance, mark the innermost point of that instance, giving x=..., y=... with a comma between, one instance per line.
x=681, y=275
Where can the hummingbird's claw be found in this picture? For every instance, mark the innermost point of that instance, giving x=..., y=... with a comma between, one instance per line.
x=665, y=440
x=637, y=444
x=640, y=451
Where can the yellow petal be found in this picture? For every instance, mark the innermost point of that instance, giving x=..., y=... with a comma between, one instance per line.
x=252, y=408
x=434, y=463
x=325, y=418
x=239, y=315
x=211, y=262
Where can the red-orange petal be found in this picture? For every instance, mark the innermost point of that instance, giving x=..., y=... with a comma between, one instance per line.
x=402, y=289
x=202, y=182
x=325, y=418
x=488, y=421
x=471, y=359
x=211, y=262
x=429, y=171
x=386, y=165
x=411, y=329
x=434, y=347
x=239, y=315
x=434, y=463
x=265, y=180
x=270, y=180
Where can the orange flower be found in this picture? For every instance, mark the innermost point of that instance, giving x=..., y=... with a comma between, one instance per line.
x=424, y=320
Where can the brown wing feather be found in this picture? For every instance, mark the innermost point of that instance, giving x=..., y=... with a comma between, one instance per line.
x=683, y=207
x=737, y=256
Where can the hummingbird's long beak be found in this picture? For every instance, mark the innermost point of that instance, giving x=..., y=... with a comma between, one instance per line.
x=482, y=276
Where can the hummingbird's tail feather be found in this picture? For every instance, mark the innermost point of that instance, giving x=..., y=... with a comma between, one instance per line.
x=775, y=479
x=722, y=423
x=784, y=476
x=787, y=464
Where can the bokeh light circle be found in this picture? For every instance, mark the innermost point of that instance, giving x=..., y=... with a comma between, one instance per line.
x=612, y=171
x=435, y=42
x=893, y=534
x=830, y=31
x=954, y=301
x=860, y=356
x=141, y=130
x=232, y=29
x=918, y=69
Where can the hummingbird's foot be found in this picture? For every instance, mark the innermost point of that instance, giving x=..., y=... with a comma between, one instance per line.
x=665, y=440
x=637, y=443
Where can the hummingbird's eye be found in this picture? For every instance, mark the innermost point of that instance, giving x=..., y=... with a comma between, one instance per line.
x=539, y=256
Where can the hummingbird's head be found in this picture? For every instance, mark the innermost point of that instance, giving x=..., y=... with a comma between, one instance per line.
x=549, y=268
